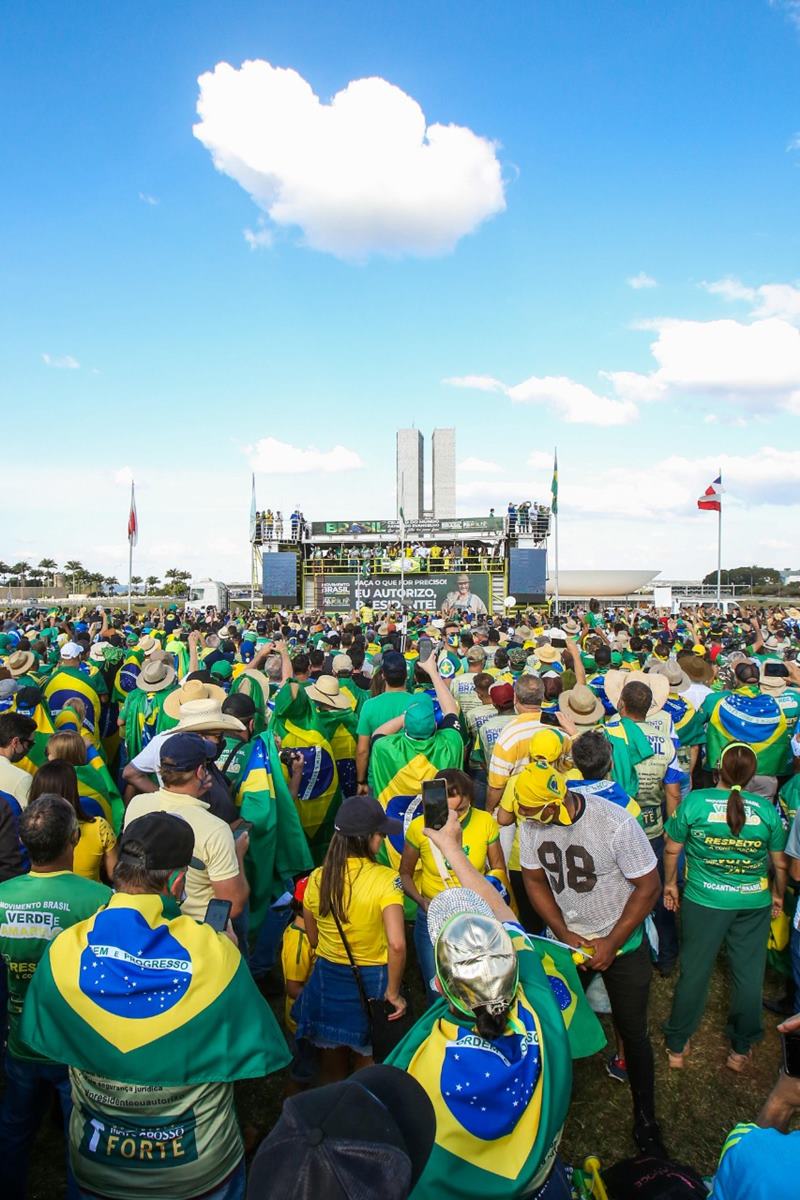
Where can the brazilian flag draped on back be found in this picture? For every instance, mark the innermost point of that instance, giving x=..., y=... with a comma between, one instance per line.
x=339, y=727
x=254, y=684
x=748, y=716
x=67, y=682
x=295, y=723
x=37, y=755
x=584, y=1031
x=629, y=747
x=499, y=1105
x=278, y=847
x=98, y=1000
x=689, y=725
x=398, y=767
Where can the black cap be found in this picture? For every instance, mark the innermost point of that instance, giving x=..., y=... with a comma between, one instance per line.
x=370, y=1135
x=185, y=751
x=362, y=815
x=157, y=841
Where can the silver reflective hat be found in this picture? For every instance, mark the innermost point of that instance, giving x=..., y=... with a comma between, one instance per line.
x=475, y=958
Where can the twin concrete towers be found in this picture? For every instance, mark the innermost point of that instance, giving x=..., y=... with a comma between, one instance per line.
x=411, y=474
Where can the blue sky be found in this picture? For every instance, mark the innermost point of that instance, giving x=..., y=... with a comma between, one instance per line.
x=601, y=143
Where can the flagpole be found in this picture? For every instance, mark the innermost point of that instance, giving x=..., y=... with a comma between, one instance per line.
x=130, y=556
x=719, y=545
x=555, y=459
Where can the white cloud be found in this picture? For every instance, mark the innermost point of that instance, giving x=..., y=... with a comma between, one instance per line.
x=146, y=198
x=479, y=464
x=631, y=385
x=63, y=362
x=759, y=363
x=259, y=238
x=280, y=458
x=640, y=281
x=780, y=300
x=573, y=402
x=477, y=383
x=361, y=175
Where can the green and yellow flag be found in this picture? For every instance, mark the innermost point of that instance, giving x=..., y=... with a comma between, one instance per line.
x=145, y=995
x=398, y=767
x=554, y=486
x=629, y=747
x=278, y=848
x=294, y=722
x=746, y=715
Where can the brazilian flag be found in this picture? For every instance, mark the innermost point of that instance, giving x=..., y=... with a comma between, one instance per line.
x=143, y=994
x=278, y=848
x=584, y=1031
x=295, y=723
x=67, y=682
x=37, y=755
x=398, y=767
x=339, y=727
x=746, y=715
x=98, y=791
x=629, y=747
x=500, y=1106
x=690, y=727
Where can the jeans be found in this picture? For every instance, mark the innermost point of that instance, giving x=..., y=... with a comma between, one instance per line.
x=21, y=1115
x=425, y=957
x=666, y=926
x=232, y=1189
x=268, y=940
x=627, y=982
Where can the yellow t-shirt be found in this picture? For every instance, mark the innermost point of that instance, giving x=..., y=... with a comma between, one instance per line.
x=368, y=890
x=479, y=831
x=297, y=959
x=97, y=836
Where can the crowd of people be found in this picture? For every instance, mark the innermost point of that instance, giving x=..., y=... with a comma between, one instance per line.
x=443, y=844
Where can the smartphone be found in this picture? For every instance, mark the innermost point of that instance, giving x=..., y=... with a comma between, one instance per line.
x=791, y=1054
x=218, y=914
x=549, y=718
x=435, y=809
x=244, y=827
x=775, y=669
x=424, y=647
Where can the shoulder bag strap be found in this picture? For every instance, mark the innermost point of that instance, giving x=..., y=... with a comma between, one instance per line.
x=359, y=981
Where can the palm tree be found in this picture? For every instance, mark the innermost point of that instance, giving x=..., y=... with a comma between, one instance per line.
x=135, y=581
x=110, y=582
x=74, y=568
x=20, y=570
x=5, y=569
x=151, y=583
x=48, y=565
x=177, y=580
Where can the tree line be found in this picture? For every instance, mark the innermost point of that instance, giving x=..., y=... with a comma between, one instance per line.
x=21, y=574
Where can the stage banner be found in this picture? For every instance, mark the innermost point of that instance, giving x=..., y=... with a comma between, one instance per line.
x=465, y=591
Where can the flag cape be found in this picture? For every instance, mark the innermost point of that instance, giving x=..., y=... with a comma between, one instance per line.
x=144, y=718
x=358, y=693
x=689, y=724
x=97, y=1000
x=499, y=1105
x=249, y=683
x=584, y=1031
x=180, y=656
x=339, y=728
x=295, y=723
x=96, y=783
x=399, y=765
x=67, y=682
x=278, y=848
x=629, y=746
x=748, y=716
x=37, y=755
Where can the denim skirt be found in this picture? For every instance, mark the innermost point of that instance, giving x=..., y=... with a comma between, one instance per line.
x=329, y=1011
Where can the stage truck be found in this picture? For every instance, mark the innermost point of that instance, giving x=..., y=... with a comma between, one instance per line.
x=433, y=565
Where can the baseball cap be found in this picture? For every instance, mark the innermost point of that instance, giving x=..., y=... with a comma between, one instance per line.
x=185, y=751
x=158, y=841
x=342, y=662
x=501, y=694
x=420, y=718
x=476, y=654
x=370, y=1135
x=71, y=650
x=360, y=816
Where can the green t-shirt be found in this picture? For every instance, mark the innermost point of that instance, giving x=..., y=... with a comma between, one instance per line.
x=171, y=1143
x=232, y=760
x=381, y=708
x=724, y=870
x=34, y=909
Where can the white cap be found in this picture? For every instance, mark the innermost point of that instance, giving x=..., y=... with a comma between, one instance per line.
x=71, y=650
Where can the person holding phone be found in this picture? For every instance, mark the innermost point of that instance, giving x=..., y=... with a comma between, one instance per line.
x=424, y=873
x=352, y=906
x=732, y=837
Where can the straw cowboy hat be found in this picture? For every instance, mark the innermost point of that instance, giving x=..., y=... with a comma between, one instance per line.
x=698, y=670
x=771, y=685
x=547, y=654
x=20, y=663
x=658, y=684
x=148, y=645
x=206, y=716
x=155, y=676
x=96, y=651
x=582, y=705
x=571, y=627
x=191, y=691
x=679, y=681
x=326, y=691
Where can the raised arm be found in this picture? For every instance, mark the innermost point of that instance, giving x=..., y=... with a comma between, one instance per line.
x=447, y=701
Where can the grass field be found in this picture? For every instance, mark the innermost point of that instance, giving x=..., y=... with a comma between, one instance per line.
x=696, y=1106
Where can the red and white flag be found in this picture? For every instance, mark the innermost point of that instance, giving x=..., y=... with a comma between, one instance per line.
x=711, y=499
x=133, y=521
